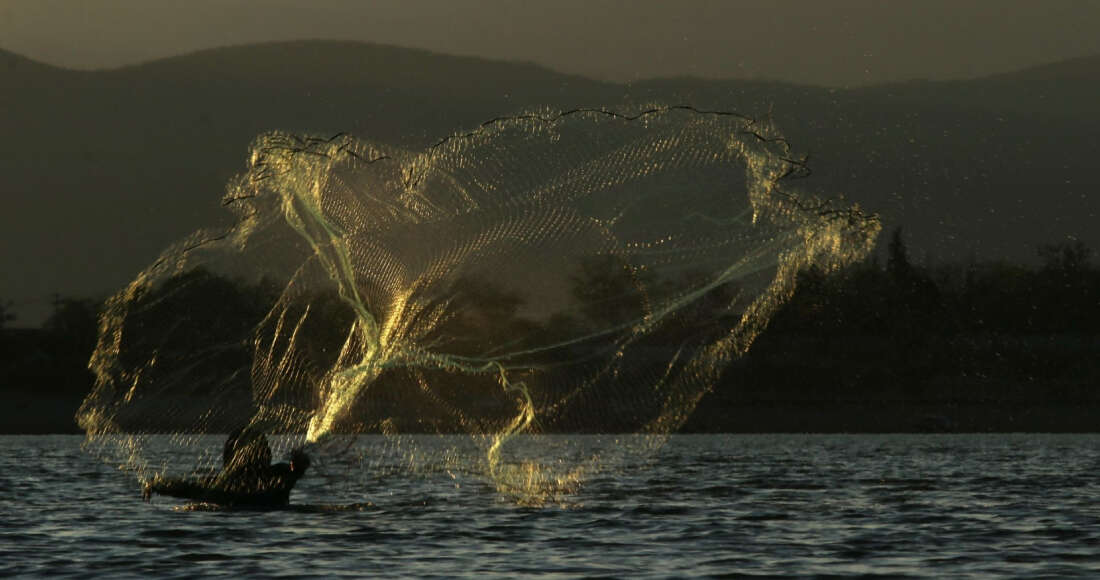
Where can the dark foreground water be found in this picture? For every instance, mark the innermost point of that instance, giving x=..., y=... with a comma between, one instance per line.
x=778, y=505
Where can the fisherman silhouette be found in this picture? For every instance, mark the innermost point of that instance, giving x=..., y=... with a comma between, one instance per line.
x=247, y=477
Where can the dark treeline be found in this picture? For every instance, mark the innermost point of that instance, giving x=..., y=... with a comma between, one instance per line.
x=899, y=347
x=883, y=345
x=44, y=371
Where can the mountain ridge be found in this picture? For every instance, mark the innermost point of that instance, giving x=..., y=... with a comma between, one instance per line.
x=1087, y=66
x=103, y=169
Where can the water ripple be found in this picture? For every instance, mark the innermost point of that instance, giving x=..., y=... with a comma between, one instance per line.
x=714, y=506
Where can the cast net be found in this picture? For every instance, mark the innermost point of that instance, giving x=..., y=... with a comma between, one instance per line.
x=478, y=306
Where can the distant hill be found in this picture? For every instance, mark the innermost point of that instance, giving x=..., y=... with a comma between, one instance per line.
x=1081, y=68
x=101, y=170
x=21, y=68
x=352, y=64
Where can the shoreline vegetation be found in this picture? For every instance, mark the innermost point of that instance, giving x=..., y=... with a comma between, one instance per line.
x=883, y=346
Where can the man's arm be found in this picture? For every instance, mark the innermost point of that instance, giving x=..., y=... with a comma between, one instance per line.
x=186, y=488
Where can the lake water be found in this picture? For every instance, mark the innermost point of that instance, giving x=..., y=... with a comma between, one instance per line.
x=781, y=505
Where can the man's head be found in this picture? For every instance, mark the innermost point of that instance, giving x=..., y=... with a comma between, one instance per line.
x=299, y=461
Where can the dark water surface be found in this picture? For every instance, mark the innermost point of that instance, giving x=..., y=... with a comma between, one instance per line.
x=781, y=505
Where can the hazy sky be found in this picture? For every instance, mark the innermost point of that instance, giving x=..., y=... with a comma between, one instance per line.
x=836, y=42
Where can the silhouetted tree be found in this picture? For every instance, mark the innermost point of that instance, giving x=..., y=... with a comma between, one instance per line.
x=915, y=303
x=897, y=261
x=1070, y=256
x=6, y=314
x=73, y=324
x=1066, y=291
x=482, y=317
x=608, y=292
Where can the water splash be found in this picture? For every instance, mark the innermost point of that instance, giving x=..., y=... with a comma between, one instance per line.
x=548, y=273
